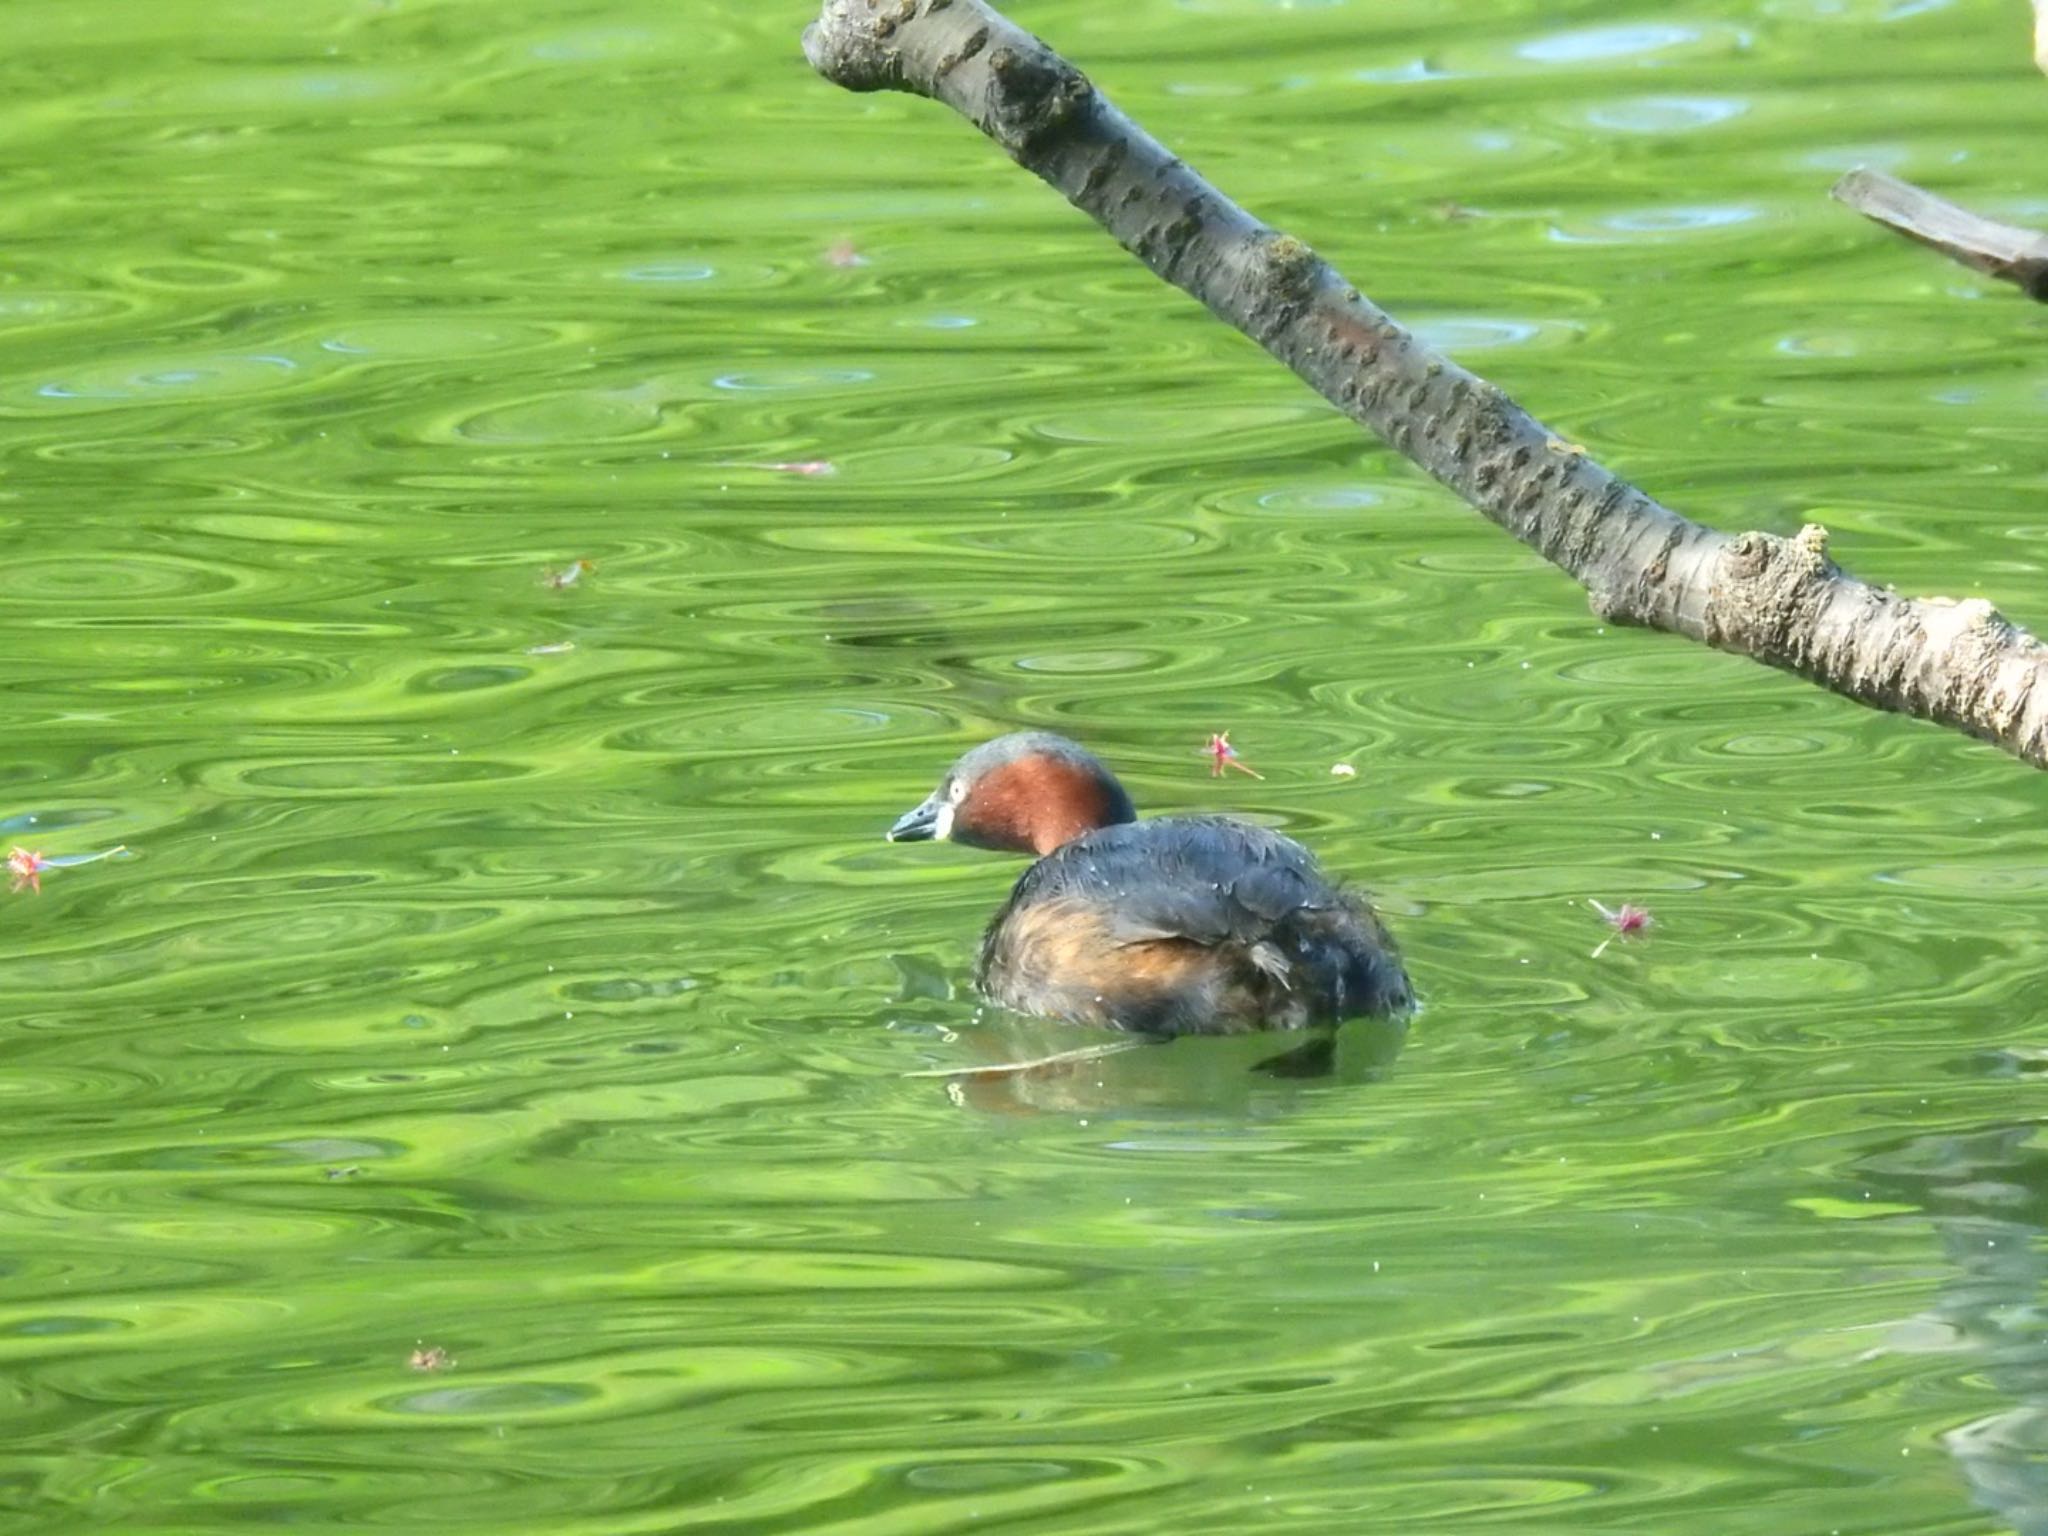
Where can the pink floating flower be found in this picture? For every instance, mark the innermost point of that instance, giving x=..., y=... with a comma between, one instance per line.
x=27, y=869
x=1223, y=755
x=843, y=253
x=1627, y=921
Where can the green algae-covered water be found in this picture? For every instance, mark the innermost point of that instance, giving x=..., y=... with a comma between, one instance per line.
x=478, y=1100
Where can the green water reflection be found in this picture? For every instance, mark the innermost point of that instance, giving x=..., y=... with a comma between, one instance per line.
x=518, y=971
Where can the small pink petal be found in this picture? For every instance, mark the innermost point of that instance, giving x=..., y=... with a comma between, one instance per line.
x=789, y=466
x=1627, y=920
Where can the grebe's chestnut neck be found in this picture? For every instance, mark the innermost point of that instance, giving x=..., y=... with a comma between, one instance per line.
x=1029, y=792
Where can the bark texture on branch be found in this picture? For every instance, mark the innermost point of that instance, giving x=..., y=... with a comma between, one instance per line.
x=2002, y=250
x=1779, y=600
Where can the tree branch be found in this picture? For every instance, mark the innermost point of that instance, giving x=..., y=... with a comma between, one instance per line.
x=1778, y=600
x=2002, y=250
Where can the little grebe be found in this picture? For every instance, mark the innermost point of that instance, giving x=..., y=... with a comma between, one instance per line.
x=1186, y=925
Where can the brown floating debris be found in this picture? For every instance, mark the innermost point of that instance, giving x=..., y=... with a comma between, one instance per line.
x=1038, y=1064
x=567, y=577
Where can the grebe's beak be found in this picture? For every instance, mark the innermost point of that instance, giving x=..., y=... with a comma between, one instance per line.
x=921, y=824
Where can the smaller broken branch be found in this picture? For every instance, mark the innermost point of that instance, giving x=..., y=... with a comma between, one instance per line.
x=1984, y=245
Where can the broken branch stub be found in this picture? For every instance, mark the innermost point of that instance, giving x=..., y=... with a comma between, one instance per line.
x=1777, y=600
x=2001, y=250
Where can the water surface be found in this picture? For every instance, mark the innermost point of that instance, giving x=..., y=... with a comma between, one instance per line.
x=517, y=971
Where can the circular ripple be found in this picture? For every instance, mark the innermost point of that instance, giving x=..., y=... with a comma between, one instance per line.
x=1459, y=334
x=1598, y=44
x=793, y=381
x=449, y=336
x=36, y=309
x=142, y=447
x=346, y=776
x=208, y=377
x=115, y=579
x=1666, y=114
x=192, y=276
x=442, y=154
x=570, y=416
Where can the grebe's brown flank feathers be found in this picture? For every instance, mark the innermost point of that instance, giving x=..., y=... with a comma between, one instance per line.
x=1027, y=792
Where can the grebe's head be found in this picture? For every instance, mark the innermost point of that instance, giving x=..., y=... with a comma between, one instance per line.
x=1028, y=792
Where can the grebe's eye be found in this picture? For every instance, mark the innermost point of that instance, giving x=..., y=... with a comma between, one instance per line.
x=956, y=791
